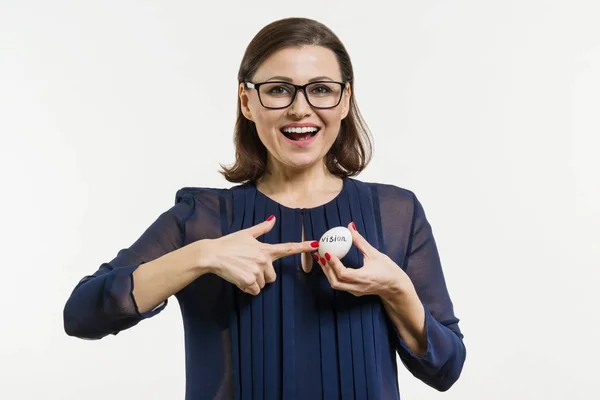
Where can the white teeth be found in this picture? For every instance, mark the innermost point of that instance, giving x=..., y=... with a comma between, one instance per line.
x=305, y=129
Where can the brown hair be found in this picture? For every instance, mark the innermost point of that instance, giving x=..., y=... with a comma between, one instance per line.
x=351, y=151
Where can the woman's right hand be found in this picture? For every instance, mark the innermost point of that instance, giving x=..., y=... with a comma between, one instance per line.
x=242, y=260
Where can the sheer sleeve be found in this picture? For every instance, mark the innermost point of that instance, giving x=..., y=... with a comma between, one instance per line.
x=410, y=242
x=103, y=303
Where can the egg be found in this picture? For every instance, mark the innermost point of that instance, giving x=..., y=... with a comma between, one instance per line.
x=336, y=241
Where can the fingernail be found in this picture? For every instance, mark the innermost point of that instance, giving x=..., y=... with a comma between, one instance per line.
x=322, y=260
x=314, y=244
x=354, y=227
x=327, y=256
x=270, y=218
x=316, y=256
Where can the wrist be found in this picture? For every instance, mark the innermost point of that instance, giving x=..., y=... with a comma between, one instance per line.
x=203, y=254
x=395, y=288
x=398, y=292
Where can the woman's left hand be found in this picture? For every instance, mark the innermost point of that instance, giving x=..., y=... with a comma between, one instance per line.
x=379, y=275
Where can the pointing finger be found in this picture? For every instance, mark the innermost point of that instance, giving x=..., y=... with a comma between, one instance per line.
x=287, y=249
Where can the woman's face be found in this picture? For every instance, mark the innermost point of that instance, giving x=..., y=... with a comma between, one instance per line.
x=288, y=145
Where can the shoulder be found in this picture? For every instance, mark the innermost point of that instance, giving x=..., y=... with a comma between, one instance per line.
x=204, y=194
x=207, y=210
x=394, y=201
x=388, y=193
x=207, y=203
x=397, y=203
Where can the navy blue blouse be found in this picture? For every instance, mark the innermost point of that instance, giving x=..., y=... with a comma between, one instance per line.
x=299, y=338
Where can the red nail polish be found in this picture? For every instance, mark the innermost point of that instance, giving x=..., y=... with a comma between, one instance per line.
x=327, y=256
x=314, y=244
x=316, y=257
x=322, y=260
x=354, y=227
x=270, y=218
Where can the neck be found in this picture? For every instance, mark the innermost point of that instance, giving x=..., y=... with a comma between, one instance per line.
x=298, y=187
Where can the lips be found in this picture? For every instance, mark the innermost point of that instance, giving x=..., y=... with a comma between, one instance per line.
x=300, y=132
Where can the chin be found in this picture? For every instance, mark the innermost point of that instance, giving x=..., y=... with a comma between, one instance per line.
x=299, y=162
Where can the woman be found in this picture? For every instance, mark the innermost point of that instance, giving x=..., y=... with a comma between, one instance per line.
x=262, y=318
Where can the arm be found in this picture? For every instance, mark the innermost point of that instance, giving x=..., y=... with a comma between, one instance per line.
x=429, y=341
x=132, y=287
x=159, y=279
x=137, y=283
x=415, y=297
x=407, y=314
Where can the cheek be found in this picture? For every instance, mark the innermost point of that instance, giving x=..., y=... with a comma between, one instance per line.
x=266, y=123
x=267, y=120
x=332, y=121
x=332, y=117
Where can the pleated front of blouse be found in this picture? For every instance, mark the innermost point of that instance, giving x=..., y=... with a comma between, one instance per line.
x=299, y=338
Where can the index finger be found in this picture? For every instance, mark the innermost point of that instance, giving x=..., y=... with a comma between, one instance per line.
x=280, y=250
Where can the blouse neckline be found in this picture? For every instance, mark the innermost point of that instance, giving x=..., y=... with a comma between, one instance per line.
x=282, y=206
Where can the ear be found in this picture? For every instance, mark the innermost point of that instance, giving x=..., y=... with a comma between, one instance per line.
x=346, y=101
x=244, y=101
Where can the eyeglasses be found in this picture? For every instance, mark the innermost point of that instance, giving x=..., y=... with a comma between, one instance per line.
x=277, y=95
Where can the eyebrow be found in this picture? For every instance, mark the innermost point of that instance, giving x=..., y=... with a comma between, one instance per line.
x=288, y=79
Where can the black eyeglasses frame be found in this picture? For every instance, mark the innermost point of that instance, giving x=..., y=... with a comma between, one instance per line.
x=257, y=85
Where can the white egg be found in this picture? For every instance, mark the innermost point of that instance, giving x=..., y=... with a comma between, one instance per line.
x=336, y=241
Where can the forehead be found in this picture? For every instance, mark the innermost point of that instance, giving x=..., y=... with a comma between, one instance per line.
x=300, y=64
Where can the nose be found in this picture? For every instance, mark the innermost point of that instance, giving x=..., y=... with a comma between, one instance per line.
x=300, y=107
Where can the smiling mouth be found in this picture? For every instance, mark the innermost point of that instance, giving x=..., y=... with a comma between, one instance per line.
x=300, y=133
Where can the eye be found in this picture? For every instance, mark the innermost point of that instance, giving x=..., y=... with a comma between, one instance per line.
x=321, y=89
x=278, y=90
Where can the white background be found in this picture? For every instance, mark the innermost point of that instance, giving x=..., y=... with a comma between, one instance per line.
x=488, y=110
